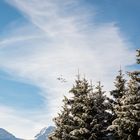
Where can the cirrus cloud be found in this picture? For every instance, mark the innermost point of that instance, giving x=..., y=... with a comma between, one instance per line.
x=60, y=38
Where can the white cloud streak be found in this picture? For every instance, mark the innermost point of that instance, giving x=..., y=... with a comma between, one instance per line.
x=65, y=40
x=11, y=120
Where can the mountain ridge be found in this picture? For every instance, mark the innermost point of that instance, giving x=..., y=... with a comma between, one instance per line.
x=42, y=135
x=5, y=135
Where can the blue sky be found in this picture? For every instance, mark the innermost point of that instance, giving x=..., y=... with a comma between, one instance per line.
x=125, y=13
x=7, y=14
x=41, y=40
x=14, y=93
x=19, y=95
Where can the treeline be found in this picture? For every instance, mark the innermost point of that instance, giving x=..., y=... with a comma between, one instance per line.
x=90, y=115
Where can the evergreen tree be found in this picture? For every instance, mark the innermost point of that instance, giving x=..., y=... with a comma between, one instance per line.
x=118, y=92
x=116, y=95
x=120, y=88
x=84, y=116
x=127, y=124
x=103, y=117
x=63, y=123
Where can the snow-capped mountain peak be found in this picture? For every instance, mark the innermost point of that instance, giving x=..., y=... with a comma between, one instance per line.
x=5, y=135
x=44, y=133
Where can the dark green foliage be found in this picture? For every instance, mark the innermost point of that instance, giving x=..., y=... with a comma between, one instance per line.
x=84, y=116
x=120, y=88
x=127, y=124
x=117, y=93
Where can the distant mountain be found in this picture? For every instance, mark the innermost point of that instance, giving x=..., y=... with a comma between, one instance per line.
x=44, y=133
x=5, y=135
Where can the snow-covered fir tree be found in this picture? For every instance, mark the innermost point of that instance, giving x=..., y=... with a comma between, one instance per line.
x=127, y=124
x=103, y=117
x=117, y=93
x=84, y=116
x=63, y=123
x=120, y=88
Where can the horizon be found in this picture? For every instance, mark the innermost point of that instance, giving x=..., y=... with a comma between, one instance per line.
x=41, y=41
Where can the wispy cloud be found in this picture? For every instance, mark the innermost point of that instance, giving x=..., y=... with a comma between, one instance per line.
x=16, y=122
x=63, y=40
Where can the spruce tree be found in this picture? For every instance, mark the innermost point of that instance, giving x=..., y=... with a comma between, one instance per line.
x=116, y=95
x=63, y=123
x=120, y=88
x=84, y=116
x=118, y=92
x=127, y=124
x=103, y=117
